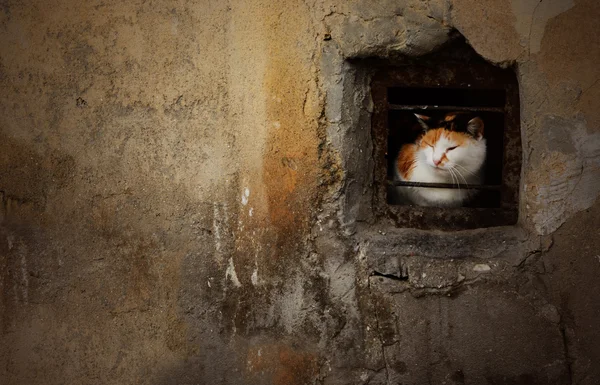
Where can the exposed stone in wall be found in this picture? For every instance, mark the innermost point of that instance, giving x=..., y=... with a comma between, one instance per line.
x=184, y=198
x=386, y=27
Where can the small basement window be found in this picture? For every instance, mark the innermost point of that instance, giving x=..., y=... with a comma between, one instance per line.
x=447, y=142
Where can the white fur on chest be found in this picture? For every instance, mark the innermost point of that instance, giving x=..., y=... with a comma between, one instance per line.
x=436, y=196
x=465, y=172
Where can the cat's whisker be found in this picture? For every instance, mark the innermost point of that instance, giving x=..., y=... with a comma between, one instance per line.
x=457, y=180
x=454, y=178
x=466, y=170
x=461, y=175
x=466, y=182
x=455, y=172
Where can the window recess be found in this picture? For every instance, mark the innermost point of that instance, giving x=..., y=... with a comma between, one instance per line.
x=454, y=80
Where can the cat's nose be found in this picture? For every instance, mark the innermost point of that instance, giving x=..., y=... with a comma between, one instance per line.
x=437, y=161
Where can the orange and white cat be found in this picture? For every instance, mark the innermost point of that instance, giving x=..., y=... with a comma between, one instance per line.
x=450, y=150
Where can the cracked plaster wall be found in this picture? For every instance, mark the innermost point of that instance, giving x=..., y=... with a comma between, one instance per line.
x=185, y=199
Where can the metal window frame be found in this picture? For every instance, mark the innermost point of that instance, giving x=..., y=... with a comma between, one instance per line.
x=453, y=69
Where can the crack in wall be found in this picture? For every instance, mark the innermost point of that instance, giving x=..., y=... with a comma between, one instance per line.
x=568, y=359
x=391, y=276
x=531, y=28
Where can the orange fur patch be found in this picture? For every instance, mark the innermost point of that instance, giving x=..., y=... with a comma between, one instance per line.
x=460, y=138
x=444, y=159
x=450, y=117
x=407, y=160
x=432, y=137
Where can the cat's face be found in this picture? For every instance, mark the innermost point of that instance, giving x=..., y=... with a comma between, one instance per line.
x=452, y=143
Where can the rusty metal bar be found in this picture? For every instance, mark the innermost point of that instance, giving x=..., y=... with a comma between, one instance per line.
x=445, y=185
x=400, y=107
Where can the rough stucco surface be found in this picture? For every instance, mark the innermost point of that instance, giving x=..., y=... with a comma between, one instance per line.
x=185, y=194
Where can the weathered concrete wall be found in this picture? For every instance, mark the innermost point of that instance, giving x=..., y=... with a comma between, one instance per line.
x=186, y=195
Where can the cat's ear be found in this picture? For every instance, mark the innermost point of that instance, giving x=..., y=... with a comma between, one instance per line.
x=475, y=128
x=422, y=119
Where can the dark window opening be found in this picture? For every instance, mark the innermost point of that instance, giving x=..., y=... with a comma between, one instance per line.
x=453, y=80
x=402, y=130
x=445, y=98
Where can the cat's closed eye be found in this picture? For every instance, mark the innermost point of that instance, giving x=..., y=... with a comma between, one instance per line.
x=451, y=148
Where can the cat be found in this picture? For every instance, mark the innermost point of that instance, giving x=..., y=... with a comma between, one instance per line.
x=449, y=150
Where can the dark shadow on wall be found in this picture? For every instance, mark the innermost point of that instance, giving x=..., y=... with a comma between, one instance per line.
x=569, y=271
